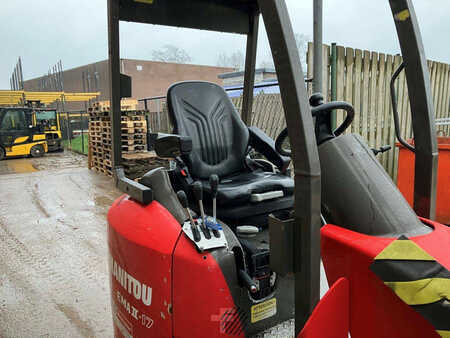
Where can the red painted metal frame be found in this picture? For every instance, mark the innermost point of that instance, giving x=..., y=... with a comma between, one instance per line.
x=330, y=318
x=375, y=311
x=141, y=242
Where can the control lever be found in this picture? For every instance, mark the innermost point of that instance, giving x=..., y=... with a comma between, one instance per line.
x=198, y=193
x=214, y=183
x=184, y=203
x=248, y=282
x=382, y=149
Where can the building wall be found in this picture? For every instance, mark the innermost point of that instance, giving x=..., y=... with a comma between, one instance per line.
x=149, y=78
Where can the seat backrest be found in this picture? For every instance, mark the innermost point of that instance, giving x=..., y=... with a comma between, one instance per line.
x=203, y=111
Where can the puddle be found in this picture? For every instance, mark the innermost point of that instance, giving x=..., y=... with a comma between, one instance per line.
x=19, y=166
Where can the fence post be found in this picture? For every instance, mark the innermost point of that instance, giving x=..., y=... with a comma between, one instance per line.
x=69, y=131
x=158, y=114
x=82, y=132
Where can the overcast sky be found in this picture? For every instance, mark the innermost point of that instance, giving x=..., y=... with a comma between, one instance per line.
x=75, y=31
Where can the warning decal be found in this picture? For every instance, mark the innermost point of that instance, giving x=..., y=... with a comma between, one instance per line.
x=264, y=310
x=403, y=15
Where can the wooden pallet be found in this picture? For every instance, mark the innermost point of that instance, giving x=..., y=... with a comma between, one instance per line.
x=133, y=141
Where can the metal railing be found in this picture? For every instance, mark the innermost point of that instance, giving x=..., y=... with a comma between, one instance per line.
x=75, y=131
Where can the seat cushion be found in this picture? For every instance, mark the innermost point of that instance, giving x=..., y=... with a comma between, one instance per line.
x=237, y=189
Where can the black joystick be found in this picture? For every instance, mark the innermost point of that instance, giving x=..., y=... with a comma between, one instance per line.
x=184, y=203
x=214, y=183
x=198, y=193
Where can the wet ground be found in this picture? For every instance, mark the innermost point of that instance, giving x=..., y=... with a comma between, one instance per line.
x=53, y=250
x=51, y=161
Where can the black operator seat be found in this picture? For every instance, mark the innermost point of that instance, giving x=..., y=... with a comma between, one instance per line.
x=203, y=112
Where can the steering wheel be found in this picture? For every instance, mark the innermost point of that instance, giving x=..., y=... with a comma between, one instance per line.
x=323, y=109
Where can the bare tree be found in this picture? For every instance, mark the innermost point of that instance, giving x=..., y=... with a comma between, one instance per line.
x=301, y=40
x=171, y=53
x=235, y=60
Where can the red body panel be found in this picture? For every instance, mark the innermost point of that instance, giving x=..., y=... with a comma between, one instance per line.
x=375, y=311
x=201, y=295
x=141, y=242
x=330, y=318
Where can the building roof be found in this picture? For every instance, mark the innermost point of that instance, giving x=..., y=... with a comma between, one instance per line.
x=241, y=73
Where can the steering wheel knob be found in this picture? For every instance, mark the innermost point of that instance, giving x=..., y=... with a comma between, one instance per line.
x=316, y=99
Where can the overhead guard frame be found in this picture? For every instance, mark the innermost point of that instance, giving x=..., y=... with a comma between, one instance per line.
x=241, y=16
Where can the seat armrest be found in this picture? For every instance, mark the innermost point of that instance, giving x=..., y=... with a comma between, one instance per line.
x=172, y=145
x=266, y=146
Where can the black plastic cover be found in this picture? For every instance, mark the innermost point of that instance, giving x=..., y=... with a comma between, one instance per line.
x=171, y=146
x=359, y=195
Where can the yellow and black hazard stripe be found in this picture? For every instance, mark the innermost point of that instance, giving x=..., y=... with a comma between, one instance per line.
x=417, y=279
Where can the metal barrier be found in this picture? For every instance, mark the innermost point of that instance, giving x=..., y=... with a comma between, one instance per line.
x=75, y=131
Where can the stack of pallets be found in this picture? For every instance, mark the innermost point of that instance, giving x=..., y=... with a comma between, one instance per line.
x=133, y=137
x=136, y=165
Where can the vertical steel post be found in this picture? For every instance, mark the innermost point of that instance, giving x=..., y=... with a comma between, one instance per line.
x=306, y=239
x=85, y=104
x=21, y=74
x=318, y=42
x=61, y=75
x=333, y=82
x=249, y=75
x=114, y=80
x=422, y=109
x=158, y=114
x=15, y=79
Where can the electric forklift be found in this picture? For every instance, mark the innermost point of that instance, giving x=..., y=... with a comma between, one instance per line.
x=19, y=134
x=224, y=246
x=49, y=120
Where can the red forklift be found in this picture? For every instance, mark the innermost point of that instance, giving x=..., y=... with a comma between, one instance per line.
x=223, y=245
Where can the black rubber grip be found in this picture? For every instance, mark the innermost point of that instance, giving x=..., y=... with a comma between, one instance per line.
x=196, y=233
x=198, y=190
x=182, y=198
x=214, y=183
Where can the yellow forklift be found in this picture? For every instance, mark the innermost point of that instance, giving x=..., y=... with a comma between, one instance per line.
x=48, y=120
x=20, y=135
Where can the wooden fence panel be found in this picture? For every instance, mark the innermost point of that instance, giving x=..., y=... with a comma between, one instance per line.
x=363, y=79
x=340, y=75
x=379, y=97
x=387, y=118
x=446, y=100
x=348, y=90
x=372, y=110
x=358, y=71
x=365, y=95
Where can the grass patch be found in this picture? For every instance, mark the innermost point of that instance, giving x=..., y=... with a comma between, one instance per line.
x=76, y=144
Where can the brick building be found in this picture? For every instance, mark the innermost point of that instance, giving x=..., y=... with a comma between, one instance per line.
x=149, y=78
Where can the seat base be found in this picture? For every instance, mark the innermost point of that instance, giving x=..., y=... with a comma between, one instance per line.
x=236, y=190
x=250, y=213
